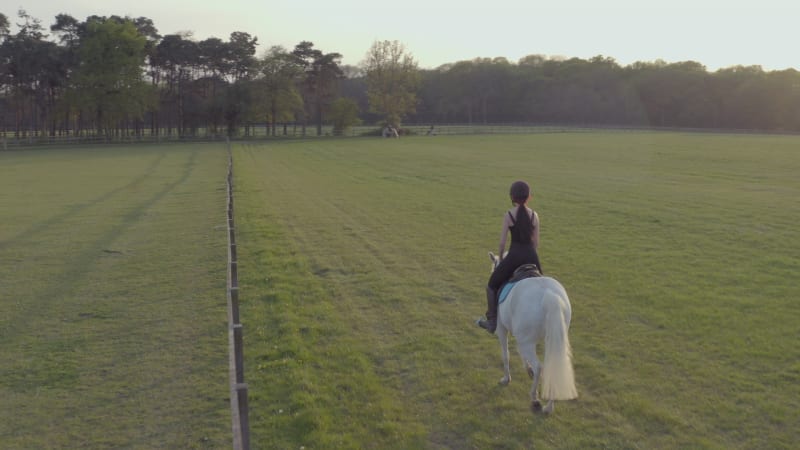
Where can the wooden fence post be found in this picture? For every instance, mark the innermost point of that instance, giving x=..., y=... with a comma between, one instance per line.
x=244, y=420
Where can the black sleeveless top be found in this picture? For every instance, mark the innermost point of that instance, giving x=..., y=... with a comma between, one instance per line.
x=520, y=252
x=521, y=233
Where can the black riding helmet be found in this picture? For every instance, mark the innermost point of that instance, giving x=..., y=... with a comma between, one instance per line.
x=519, y=192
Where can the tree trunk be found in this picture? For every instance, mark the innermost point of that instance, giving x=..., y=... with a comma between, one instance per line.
x=319, y=120
x=273, y=111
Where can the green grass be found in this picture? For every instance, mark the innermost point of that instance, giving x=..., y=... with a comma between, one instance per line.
x=362, y=266
x=363, y=261
x=113, y=330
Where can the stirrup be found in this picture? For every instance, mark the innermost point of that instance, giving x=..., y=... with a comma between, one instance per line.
x=486, y=324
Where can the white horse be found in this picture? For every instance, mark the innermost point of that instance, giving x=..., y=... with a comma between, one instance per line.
x=538, y=309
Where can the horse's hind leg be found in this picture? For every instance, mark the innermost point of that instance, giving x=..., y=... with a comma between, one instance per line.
x=528, y=353
x=502, y=336
x=536, y=405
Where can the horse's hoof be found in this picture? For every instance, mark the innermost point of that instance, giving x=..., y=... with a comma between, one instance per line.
x=504, y=381
x=536, y=406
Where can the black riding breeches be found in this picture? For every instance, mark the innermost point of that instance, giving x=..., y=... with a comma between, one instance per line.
x=517, y=256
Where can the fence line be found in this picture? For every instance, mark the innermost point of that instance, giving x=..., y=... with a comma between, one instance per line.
x=239, y=409
x=261, y=132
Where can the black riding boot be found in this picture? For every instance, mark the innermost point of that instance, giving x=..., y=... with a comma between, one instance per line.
x=490, y=324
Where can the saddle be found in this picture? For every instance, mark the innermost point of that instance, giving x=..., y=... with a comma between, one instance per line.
x=524, y=271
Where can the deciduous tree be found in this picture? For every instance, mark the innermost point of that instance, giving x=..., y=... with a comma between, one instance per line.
x=174, y=62
x=344, y=114
x=392, y=80
x=25, y=57
x=280, y=71
x=4, y=26
x=109, y=80
x=320, y=81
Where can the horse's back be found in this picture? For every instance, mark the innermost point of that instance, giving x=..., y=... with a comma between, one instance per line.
x=535, y=288
x=552, y=286
x=527, y=306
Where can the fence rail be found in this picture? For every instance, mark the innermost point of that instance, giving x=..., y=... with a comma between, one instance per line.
x=239, y=408
x=9, y=141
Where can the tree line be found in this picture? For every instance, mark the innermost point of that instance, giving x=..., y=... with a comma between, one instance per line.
x=117, y=76
x=599, y=91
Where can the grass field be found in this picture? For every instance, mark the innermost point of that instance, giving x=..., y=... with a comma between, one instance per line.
x=362, y=266
x=113, y=327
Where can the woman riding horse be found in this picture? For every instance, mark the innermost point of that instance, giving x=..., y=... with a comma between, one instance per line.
x=523, y=224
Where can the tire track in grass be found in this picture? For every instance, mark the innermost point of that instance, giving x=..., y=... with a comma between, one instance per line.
x=107, y=351
x=69, y=279
x=40, y=227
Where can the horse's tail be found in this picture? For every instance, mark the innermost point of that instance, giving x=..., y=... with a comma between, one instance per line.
x=558, y=378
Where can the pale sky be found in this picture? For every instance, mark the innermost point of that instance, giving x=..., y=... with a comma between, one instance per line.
x=716, y=33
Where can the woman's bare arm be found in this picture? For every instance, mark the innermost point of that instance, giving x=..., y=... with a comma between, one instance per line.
x=504, y=234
